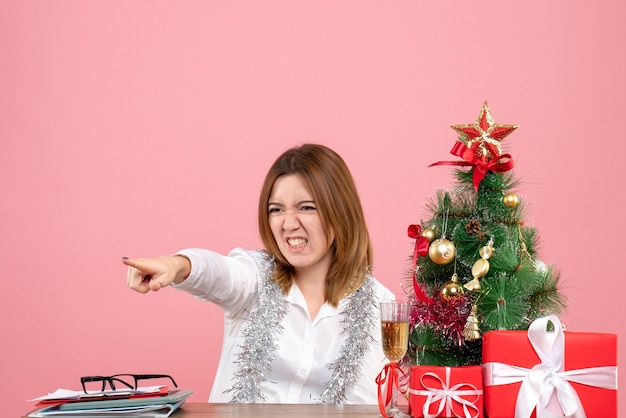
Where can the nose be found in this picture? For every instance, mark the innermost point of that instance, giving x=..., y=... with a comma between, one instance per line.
x=291, y=221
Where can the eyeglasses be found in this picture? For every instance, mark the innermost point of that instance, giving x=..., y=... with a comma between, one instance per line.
x=119, y=378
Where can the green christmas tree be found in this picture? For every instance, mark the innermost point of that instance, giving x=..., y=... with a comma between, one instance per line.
x=475, y=265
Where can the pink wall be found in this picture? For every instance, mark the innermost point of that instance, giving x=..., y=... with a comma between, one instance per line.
x=141, y=127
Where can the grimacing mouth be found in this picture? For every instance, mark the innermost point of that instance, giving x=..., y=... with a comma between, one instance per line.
x=296, y=242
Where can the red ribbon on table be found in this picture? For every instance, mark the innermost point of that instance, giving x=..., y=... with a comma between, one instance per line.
x=389, y=375
x=421, y=249
x=481, y=164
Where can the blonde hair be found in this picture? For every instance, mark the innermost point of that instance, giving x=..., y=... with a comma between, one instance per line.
x=330, y=182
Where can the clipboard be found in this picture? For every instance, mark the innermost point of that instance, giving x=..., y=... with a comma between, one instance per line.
x=174, y=396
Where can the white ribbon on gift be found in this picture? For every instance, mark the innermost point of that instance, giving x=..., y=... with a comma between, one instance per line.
x=446, y=396
x=548, y=378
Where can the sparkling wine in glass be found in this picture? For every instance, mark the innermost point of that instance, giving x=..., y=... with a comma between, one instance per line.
x=394, y=319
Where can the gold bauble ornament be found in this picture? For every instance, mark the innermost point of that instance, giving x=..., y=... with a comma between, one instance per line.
x=452, y=288
x=442, y=251
x=510, y=199
x=429, y=234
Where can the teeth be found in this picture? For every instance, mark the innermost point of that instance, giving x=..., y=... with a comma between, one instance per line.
x=296, y=241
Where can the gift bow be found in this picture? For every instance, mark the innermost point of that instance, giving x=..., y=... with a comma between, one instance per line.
x=481, y=164
x=446, y=396
x=548, y=377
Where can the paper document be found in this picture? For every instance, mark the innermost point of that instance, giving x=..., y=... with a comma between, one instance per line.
x=62, y=394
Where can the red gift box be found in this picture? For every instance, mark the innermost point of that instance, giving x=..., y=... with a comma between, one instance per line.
x=560, y=372
x=438, y=391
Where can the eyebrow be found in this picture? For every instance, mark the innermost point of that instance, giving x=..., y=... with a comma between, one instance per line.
x=302, y=202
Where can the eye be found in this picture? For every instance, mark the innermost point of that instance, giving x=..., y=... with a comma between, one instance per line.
x=273, y=209
x=308, y=208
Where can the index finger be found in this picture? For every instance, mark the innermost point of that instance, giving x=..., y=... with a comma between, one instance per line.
x=136, y=263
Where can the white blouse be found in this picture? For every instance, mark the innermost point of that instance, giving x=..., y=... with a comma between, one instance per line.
x=306, y=346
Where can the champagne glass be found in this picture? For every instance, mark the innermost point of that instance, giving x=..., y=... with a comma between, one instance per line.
x=394, y=320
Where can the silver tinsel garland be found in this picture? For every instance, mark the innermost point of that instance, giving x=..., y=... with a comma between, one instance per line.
x=261, y=340
x=359, y=320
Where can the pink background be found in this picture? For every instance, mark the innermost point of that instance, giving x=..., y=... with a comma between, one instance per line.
x=136, y=128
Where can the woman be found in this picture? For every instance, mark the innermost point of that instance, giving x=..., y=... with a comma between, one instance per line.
x=301, y=321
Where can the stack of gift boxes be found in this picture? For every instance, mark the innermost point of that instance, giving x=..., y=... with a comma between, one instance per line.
x=542, y=372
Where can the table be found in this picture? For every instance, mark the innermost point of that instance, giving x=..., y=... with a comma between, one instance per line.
x=209, y=410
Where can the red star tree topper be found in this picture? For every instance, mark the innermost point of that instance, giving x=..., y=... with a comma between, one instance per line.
x=484, y=134
x=479, y=146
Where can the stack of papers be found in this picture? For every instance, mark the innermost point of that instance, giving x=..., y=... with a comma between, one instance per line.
x=148, y=402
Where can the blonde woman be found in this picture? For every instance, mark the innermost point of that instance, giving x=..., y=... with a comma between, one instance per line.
x=301, y=316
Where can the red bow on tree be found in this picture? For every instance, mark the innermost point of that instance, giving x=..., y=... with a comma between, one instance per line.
x=482, y=164
x=421, y=249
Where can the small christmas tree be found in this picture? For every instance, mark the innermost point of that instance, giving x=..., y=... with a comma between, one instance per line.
x=475, y=266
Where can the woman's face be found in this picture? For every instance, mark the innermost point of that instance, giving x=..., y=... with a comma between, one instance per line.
x=296, y=225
